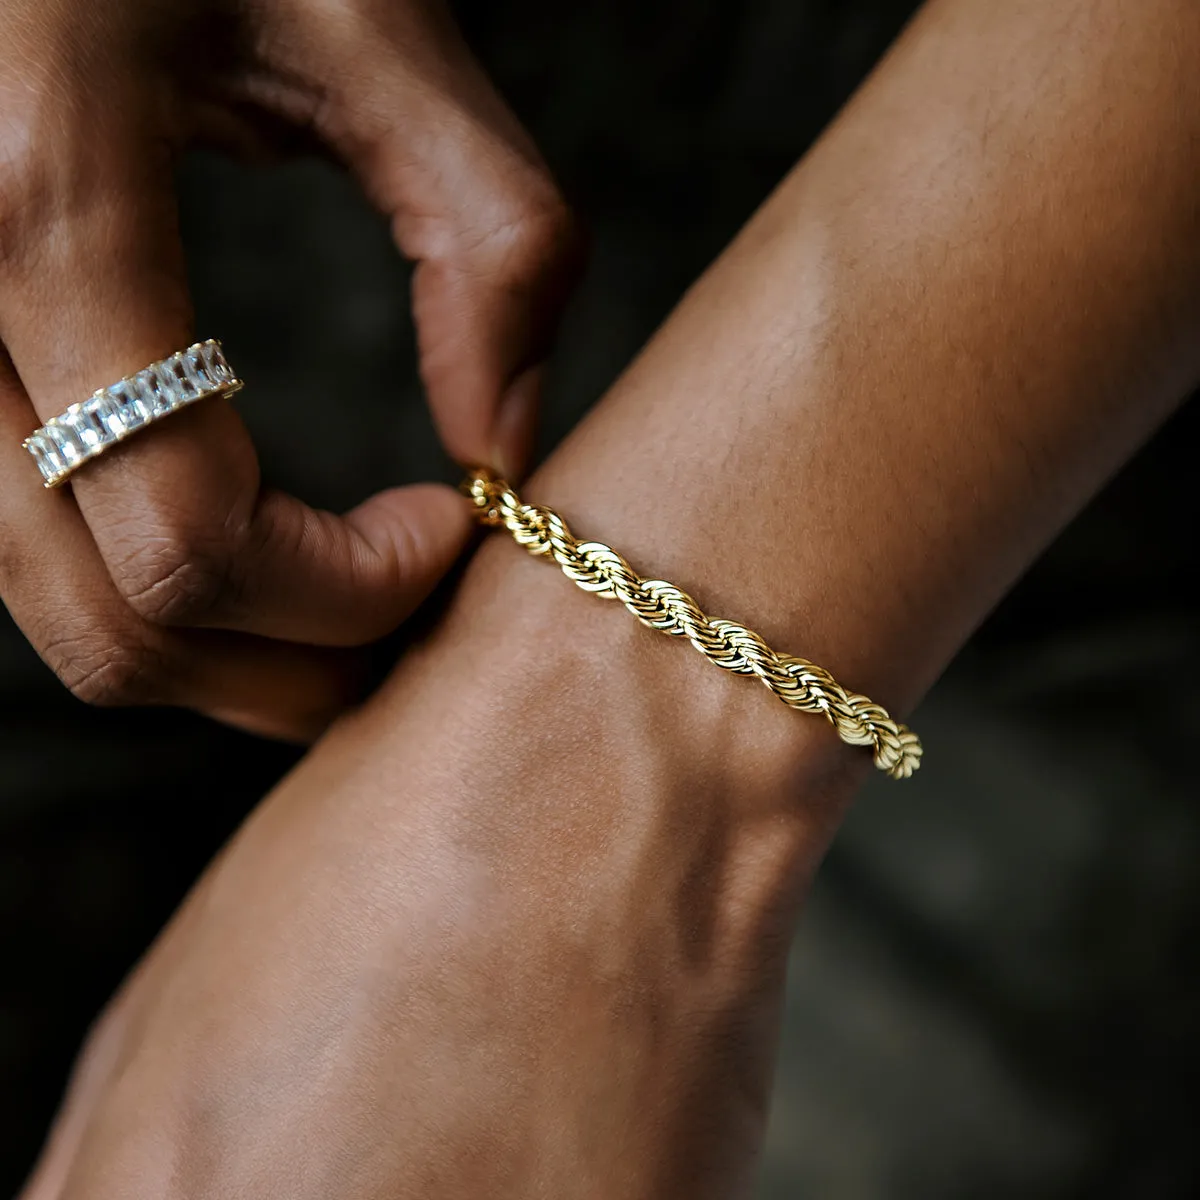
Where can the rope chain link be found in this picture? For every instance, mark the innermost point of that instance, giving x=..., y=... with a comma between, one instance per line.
x=599, y=569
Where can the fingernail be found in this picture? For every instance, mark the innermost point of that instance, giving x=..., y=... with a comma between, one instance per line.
x=516, y=424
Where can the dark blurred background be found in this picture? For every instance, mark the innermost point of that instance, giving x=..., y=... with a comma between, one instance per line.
x=994, y=990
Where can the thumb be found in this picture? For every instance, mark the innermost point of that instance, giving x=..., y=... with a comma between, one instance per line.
x=471, y=202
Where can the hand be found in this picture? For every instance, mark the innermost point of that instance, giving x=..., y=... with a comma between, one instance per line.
x=517, y=928
x=173, y=532
x=547, y=963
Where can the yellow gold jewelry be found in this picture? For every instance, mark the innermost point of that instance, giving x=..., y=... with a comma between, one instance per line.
x=598, y=568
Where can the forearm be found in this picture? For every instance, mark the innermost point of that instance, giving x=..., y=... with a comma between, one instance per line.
x=960, y=313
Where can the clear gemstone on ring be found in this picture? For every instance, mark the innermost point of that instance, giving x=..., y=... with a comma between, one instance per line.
x=195, y=369
x=214, y=360
x=91, y=426
x=187, y=386
x=88, y=433
x=149, y=393
x=104, y=409
x=170, y=392
x=45, y=454
x=64, y=442
x=126, y=405
x=140, y=404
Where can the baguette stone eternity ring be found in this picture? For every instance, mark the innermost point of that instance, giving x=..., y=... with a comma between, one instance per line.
x=114, y=413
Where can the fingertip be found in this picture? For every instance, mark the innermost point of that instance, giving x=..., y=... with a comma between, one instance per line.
x=424, y=527
x=515, y=426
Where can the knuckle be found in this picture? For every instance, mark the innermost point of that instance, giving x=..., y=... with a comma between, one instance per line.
x=538, y=236
x=23, y=188
x=175, y=579
x=106, y=670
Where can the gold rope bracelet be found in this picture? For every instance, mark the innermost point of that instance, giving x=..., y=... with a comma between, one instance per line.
x=598, y=568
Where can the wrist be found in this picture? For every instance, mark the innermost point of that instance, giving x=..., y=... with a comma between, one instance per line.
x=556, y=666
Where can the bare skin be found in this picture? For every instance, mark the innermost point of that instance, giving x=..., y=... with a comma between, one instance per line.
x=174, y=532
x=517, y=927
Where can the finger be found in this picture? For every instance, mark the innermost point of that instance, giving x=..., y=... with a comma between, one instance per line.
x=306, y=575
x=471, y=202
x=497, y=254
x=95, y=290
x=60, y=593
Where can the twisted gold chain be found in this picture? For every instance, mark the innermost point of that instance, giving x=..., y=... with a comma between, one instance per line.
x=598, y=568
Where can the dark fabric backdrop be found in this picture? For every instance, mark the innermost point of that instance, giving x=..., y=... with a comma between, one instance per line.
x=994, y=991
